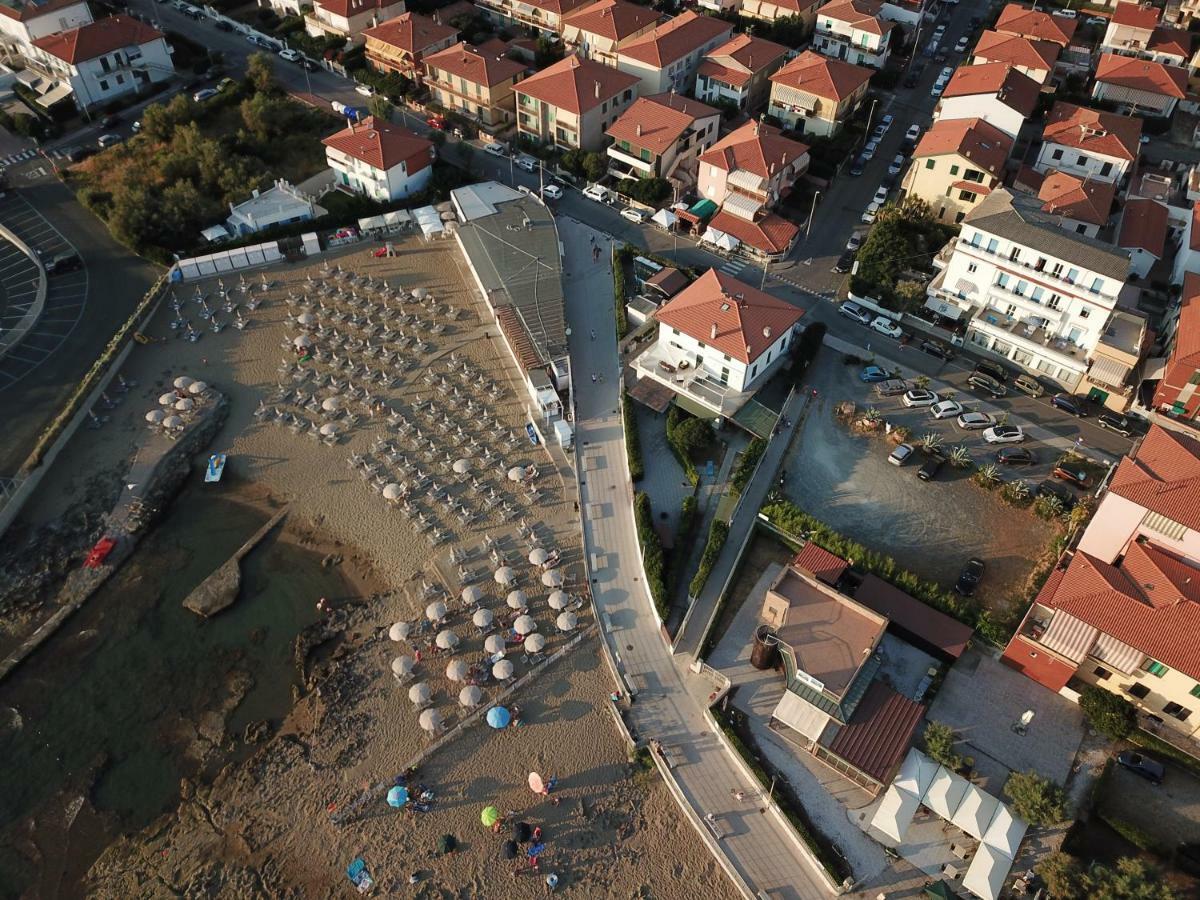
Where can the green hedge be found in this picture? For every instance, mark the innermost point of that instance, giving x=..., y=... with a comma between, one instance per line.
x=619, y=296
x=689, y=518
x=675, y=417
x=747, y=463
x=633, y=441
x=717, y=534
x=652, y=553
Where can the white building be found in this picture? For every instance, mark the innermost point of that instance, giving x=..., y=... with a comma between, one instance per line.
x=855, y=31
x=1035, y=294
x=23, y=23
x=666, y=59
x=383, y=161
x=1139, y=85
x=350, y=18
x=719, y=340
x=1188, y=257
x=281, y=204
x=995, y=92
x=100, y=61
x=1089, y=143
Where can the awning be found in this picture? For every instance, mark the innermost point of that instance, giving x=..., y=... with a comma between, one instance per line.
x=56, y=94
x=1117, y=654
x=945, y=793
x=1069, y=637
x=942, y=308
x=1155, y=368
x=664, y=218
x=975, y=812
x=798, y=714
x=987, y=872
x=215, y=233
x=1107, y=370
x=742, y=206
x=1005, y=831
x=895, y=812
x=745, y=179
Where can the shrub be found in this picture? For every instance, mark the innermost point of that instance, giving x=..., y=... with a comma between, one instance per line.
x=939, y=744
x=650, y=191
x=960, y=457
x=1016, y=493
x=717, y=533
x=1048, y=506
x=931, y=442
x=619, y=297
x=1110, y=714
x=653, y=560
x=633, y=441
x=1035, y=799
x=988, y=476
x=746, y=465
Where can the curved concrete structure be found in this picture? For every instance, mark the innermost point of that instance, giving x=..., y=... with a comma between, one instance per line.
x=13, y=336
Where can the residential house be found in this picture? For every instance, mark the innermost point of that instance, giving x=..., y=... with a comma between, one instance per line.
x=815, y=95
x=1187, y=259
x=598, y=31
x=1029, y=57
x=909, y=13
x=1042, y=297
x=281, y=204
x=1089, y=143
x=1079, y=204
x=22, y=23
x=956, y=164
x=1143, y=234
x=662, y=137
x=1130, y=29
x=1036, y=25
x=401, y=44
x=1139, y=85
x=101, y=61
x=348, y=19
x=854, y=31
x=666, y=58
x=1114, y=370
x=739, y=71
x=771, y=10
x=995, y=92
x=571, y=103
x=1178, y=391
x=381, y=160
x=1173, y=47
x=719, y=340
x=544, y=17
x=474, y=83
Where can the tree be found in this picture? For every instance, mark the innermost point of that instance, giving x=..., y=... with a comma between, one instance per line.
x=158, y=124
x=381, y=107
x=939, y=744
x=1063, y=876
x=1132, y=879
x=692, y=436
x=1110, y=714
x=595, y=165
x=910, y=293
x=1035, y=799
x=548, y=52
x=260, y=73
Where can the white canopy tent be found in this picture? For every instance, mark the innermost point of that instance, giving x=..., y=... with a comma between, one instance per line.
x=664, y=218
x=975, y=812
x=1006, y=831
x=895, y=812
x=945, y=793
x=719, y=239
x=429, y=220
x=987, y=872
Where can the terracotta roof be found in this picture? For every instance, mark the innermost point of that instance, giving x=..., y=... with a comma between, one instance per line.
x=830, y=79
x=820, y=563
x=747, y=320
x=470, y=64
x=1142, y=75
x=670, y=281
x=1163, y=475
x=755, y=147
x=411, y=32
x=796, y=6
x=558, y=7
x=379, y=144
x=1136, y=15
x=879, y=733
x=977, y=140
x=1194, y=231
x=1088, y=201
x=1028, y=179
x=655, y=123
x=1018, y=19
x=97, y=38
x=1187, y=333
x=1144, y=226
x=444, y=14
x=348, y=8
x=994, y=46
x=747, y=54
x=1171, y=42
x=1151, y=602
x=770, y=233
x=27, y=10
x=1012, y=88
x=613, y=19
x=577, y=85
x=862, y=15
x=675, y=39
x=917, y=622
x=1093, y=131
x=974, y=187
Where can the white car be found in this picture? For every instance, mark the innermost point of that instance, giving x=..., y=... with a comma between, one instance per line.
x=1065, y=13
x=887, y=121
x=1004, y=434
x=526, y=162
x=886, y=326
x=365, y=89
x=289, y=54
x=947, y=72
x=1097, y=20
x=974, y=421
x=938, y=32
x=493, y=148
x=202, y=95
x=938, y=87
x=552, y=192
x=855, y=241
x=900, y=455
x=596, y=192
x=913, y=133
x=918, y=397
x=881, y=194
x=869, y=150
x=946, y=409
x=870, y=213
x=962, y=44
x=636, y=216
x=897, y=165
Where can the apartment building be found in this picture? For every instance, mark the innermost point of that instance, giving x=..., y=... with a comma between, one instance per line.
x=475, y=83
x=815, y=95
x=1033, y=58
x=1029, y=22
x=1145, y=225
x=1139, y=85
x=572, y=103
x=544, y=17
x=1079, y=204
x=381, y=160
x=957, y=163
x=1130, y=28
x=854, y=31
x=666, y=58
x=1089, y=143
x=401, y=44
x=770, y=10
x=662, y=137
x=23, y=23
x=598, y=31
x=739, y=71
x=348, y=19
x=1178, y=391
x=995, y=92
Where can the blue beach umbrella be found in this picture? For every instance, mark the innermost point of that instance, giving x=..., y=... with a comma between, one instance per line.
x=397, y=796
x=498, y=717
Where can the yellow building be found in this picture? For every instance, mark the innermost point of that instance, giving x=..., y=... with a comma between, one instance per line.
x=475, y=83
x=956, y=164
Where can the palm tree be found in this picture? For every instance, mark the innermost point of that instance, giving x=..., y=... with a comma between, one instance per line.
x=922, y=382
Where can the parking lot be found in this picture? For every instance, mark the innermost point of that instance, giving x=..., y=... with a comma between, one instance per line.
x=931, y=528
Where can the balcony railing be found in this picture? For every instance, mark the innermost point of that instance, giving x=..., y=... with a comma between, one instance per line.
x=1077, y=288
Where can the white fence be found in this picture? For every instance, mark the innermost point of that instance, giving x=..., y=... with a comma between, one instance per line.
x=228, y=261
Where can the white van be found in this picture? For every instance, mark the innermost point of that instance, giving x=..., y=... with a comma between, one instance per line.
x=597, y=193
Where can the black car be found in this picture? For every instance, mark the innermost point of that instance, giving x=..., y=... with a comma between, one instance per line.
x=969, y=577
x=844, y=263
x=63, y=262
x=986, y=383
x=1054, y=489
x=78, y=154
x=929, y=469
x=992, y=369
x=112, y=120
x=1150, y=769
x=222, y=25
x=1015, y=456
x=1069, y=403
x=1114, y=422
x=856, y=167
x=938, y=349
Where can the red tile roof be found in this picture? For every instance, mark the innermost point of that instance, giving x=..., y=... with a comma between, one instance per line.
x=771, y=234
x=472, y=65
x=1087, y=201
x=1021, y=20
x=755, y=147
x=820, y=563
x=995, y=46
x=1163, y=475
x=879, y=732
x=613, y=19
x=795, y=6
x=97, y=38
x=1142, y=75
x=381, y=145
x=1187, y=334
x=411, y=32
x=1136, y=15
x=348, y=8
x=26, y=10
x=577, y=85
x=746, y=54
x=862, y=15
x=830, y=79
x=1151, y=602
x=558, y=7
x=1093, y=131
x=655, y=123
x=746, y=320
x=675, y=39
x=1012, y=88
x=1171, y=42
x=979, y=141
x=1144, y=226
x=919, y=623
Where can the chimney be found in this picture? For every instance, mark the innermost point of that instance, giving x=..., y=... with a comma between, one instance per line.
x=767, y=332
x=713, y=333
x=597, y=90
x=639, y=129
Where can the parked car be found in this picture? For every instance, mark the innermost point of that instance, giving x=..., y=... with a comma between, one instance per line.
x=1069, y=403
x=366, y=90
x=918, y=397
x=1065, y=13
x=852, y=310
x=844, y=263
x=552, y=192
x=869, y=150
x=636, y=216
x=947, y=72
x=112, y=120
x=929, y=469
x=901, y=454
x=975, y=421
x=881, y=195
x=1004, y=434
x=855, y=241
x=526, y=162
x=946, y=409
x=1115, y=422
x=289, y=54
x=886, y=121
x=897, y=164
x=1015, y=456
x=1139, y=764
x=856, y=167
x=1049, y=488
x=939, y=32
x=225, y=84
x=872, y=374
x=1027, y=384
x=913, y=134
x=1096, y=20
x=938, y=87
x=938, y=349
x=495, y=148
x=880, y=131
x=870, y=212
x=78, y=154
x=222, y=25
x=203, y=94
x=1072, y=475
x=962, y=44
x=891, y=388
x=886, y=326
x=987, y=384
x=108, y=140
x=969, y=577
x=136, y=127
x=596, y=192
x=66, y=261
x=992, y=369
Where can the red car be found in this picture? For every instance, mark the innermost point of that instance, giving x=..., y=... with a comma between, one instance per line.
x=99, y=553
x=437, y=122
x=1073, y=476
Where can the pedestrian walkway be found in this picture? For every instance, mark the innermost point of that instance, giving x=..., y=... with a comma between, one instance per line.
x=764, y=852
x=734, y=266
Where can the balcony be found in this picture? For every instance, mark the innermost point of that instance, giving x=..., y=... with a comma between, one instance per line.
x=1044, y=273
x=1030, y=335
x=633, y=166
x=670, y=367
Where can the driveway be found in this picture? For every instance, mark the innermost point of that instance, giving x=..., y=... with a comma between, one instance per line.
x=931, y=528
x=1169, y=812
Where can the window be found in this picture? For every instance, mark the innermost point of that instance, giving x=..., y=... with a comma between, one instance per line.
x=1101, y=673
x=1138, y=690
x=967, y=197
x=1084, y=313
x=1097, y=285
x=1015, y=255
x=727, y=358
x=1022, y=287
x=1002, y=279
x=958, y=217
x=1081, y=160
x=627, y=96
x=1174, y=709
x=976, y=238
x=1072, y=275
x=1054, y=301
x=1195, y=379
x=725, y=375
x=954, y=170
x=973, y=175
x=1057, y=154
x=753, y=371
x=929, y=165
x=1106, y=169
x=1154, y=667
x=674, y=331
x=1195, y=691
x=1037, y=294
x=992, y=245
x=103, y=84
x=971, y=267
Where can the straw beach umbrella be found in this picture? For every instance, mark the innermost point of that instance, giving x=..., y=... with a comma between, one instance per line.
x=470, y=696
x=399, y=631
x=558, y=600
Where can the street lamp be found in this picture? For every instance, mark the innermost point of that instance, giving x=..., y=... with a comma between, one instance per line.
x=811, y=213
x=870, y=115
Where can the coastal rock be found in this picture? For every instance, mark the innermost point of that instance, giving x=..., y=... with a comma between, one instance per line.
x=256, y=732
